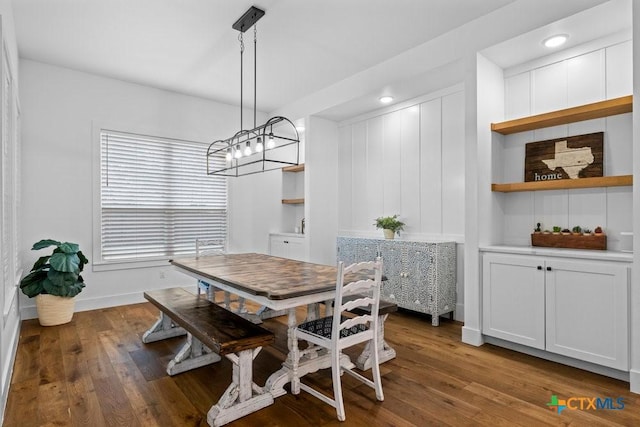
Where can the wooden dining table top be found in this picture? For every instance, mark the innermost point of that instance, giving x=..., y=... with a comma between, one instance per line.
x=263, y=275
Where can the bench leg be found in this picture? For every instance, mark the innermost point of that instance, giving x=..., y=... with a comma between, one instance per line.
x=192, y=355
x=243, y=396
x=385, y=352
x=163, y=328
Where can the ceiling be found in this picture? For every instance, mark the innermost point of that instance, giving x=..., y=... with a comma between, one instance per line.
x=188, y=46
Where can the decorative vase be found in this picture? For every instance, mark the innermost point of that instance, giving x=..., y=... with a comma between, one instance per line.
x=388, y=234
x=54, y=310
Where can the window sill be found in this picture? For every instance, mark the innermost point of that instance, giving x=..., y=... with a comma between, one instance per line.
x=128, y=265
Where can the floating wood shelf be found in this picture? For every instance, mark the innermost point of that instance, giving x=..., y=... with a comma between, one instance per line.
x=292, y=201
x=560, y=184
x=596, y=110
x=294, y=168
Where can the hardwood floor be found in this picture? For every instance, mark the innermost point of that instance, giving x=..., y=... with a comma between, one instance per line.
x=95, y=371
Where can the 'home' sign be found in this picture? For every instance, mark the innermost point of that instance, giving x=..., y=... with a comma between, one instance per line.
x=573, y=157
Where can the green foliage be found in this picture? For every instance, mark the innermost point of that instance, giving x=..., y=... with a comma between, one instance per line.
x=56, y=274
x=390, y=223
x=556, y=229
x=577, y=229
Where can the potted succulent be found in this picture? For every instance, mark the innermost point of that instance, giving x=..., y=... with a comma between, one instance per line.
x=577, y=230
x=556, y=229
x=538, y=228
x=55, y=280
x=390, y=225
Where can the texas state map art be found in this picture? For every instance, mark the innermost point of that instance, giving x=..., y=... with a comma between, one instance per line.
x=573, y=157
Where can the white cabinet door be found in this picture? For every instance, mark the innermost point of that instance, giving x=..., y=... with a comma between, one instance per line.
x=513, y=299
x=587, y=311
x=287, y=247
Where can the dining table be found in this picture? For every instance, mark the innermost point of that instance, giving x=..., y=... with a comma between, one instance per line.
x=279, y=284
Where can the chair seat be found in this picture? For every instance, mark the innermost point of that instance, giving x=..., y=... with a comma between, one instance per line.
x=322, y=327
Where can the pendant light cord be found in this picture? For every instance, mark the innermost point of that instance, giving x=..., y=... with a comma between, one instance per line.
x=241, y=75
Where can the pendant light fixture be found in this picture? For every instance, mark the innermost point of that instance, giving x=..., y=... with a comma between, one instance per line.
x=272, y=145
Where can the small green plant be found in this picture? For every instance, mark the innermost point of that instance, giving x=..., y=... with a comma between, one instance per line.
x=390, y=223
x=537, y=229
x=56, y=274
x=556, y=229
x=577, y=229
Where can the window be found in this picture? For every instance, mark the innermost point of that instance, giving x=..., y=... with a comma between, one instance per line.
x=156, y=197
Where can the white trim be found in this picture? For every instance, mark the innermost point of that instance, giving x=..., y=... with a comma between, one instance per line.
x=8, y=373
x=634, y=381
x=472, y=336
x=602, y=43
x=30, y=312
x=406, y=104
x=569, y=361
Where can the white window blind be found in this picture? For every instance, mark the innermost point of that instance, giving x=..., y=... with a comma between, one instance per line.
x=156, y=197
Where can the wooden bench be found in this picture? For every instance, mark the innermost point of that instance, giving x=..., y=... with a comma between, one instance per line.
x=385, y=351
x=212, y=332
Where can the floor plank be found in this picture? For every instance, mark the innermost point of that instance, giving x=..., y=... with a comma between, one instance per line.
x=96, y=371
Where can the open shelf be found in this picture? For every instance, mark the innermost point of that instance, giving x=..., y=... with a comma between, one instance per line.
x=596, y=110
x=560, y=184
x=292, y=201
x=294, y=168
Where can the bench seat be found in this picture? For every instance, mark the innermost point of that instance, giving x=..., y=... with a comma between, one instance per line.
x=212, y=331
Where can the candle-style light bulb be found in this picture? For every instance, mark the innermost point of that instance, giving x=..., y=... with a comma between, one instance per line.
x=247, y=149
x=271, y=142
x=238, y=152
x=259, y=145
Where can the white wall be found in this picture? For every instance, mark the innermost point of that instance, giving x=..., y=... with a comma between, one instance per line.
x=58, y=108
x=634, y=292
x=408, y=160
x=11, y=222
x=590, y=76
x=321, y=189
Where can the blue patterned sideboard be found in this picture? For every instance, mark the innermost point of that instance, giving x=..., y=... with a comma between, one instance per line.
x=421, y=276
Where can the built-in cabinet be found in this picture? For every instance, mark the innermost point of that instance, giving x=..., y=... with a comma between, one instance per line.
x=287, y=245
x=570, y=307
x=419, y=276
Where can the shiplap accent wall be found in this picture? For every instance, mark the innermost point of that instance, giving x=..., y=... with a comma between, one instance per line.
x=591, y=76
x=407, y=161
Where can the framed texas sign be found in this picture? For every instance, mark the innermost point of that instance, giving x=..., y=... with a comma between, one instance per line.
x=573, y=157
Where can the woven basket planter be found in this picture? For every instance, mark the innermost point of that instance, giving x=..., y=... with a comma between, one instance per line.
x=54, y=310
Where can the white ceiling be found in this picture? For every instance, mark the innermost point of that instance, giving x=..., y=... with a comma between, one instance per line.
x=188, y=46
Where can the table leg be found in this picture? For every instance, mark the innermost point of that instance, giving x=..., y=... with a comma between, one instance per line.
x=385, y=352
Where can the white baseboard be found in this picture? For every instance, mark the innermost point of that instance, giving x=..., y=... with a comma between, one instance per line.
x=30, y=312
x=634, y=381
x=472, y=336
x=8, y=372
x=558, y=358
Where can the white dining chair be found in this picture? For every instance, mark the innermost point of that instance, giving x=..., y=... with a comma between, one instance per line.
x=211, y=247
x=338, y=332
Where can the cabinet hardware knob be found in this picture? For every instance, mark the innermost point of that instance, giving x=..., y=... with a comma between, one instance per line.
x=548, y=268
x=286, y=241
x=539, y=267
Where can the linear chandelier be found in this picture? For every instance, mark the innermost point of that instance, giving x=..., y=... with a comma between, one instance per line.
x=265, y=147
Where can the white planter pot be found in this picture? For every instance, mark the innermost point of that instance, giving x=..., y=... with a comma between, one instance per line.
x=388, y=234
x=54, y=310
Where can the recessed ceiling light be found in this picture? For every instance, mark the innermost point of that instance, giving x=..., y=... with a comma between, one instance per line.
x=555, y=41
x=386, y=99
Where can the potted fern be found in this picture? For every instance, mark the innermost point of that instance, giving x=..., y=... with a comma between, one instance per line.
x=54, y=281
x=390, y=225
